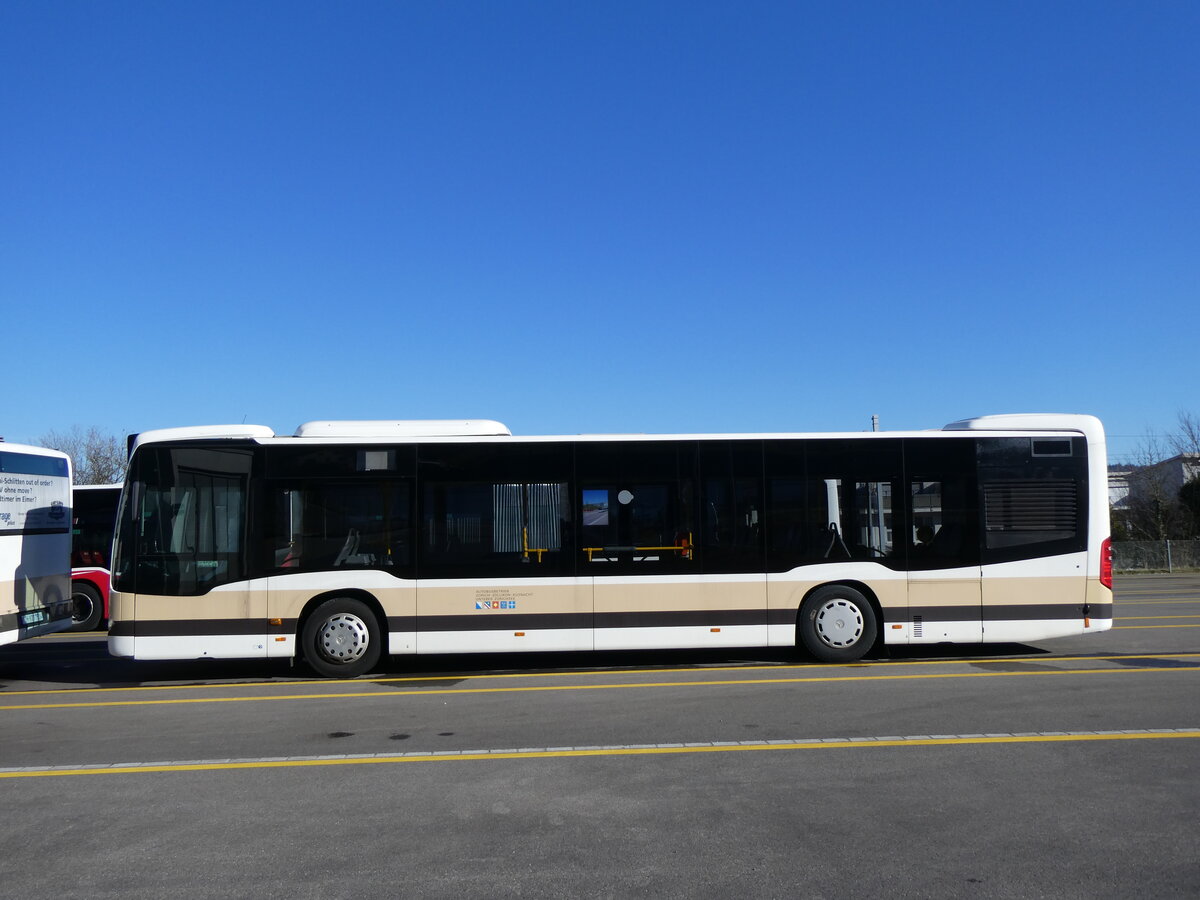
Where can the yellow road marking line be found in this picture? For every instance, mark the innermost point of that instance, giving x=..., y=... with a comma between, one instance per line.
x=460, y=676
x=1139, y=618
x=586, y=687
x=1115, y=627
x=565, y=753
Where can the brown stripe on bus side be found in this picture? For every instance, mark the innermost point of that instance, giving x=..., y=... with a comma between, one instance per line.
x=585, y=620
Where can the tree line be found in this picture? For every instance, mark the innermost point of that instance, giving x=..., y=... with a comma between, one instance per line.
x=96, y=457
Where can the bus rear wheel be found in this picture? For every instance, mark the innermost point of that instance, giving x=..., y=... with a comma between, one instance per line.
x=837, y=624
x=86, y=608
x=341, y=639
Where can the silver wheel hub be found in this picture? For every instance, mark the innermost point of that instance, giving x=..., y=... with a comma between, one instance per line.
x=839, y=623
x=343, y=638
x=81, y=607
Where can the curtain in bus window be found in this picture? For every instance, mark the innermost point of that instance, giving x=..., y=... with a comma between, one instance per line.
x=484, y=529
x=527, y=516
x=494, y=510
x=545, y=504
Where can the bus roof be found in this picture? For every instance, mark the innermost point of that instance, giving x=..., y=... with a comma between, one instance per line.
x=404, y=431
x=1089, y=426
x=9, y=447
x=403, y=428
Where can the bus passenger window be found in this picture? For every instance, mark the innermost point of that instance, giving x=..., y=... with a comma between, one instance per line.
x=332, y=524
x=636, y=523
x=926, y=514
x=855, y=519
x=942, y=534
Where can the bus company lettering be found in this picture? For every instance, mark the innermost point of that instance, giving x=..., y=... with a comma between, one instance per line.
x=497, y=598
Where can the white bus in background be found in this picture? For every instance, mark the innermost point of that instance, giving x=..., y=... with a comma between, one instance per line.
x=35, y=542
x=348, y=540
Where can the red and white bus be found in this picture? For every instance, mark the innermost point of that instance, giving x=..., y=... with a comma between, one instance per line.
x=94, y=515
x=348, y=540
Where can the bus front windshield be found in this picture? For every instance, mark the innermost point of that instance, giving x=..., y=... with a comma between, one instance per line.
x=182, y=531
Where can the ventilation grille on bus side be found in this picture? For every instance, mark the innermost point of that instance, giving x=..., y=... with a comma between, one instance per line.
x=1030, y=506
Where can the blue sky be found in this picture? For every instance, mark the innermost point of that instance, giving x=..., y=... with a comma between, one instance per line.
x=606, y=217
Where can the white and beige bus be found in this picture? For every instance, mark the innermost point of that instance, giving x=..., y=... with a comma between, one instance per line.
x=348, y=540
x=35, y=542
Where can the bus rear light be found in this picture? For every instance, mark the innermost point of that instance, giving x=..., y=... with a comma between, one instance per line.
x=1106, y=563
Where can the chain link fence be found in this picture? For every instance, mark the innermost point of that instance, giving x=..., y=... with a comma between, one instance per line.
x=1156, y=556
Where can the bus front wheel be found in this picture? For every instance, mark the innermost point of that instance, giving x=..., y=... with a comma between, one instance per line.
x=837, y=624
x=342, y=638
x=86, y=609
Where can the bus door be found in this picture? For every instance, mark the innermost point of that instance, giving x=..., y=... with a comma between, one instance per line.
x=945, y=588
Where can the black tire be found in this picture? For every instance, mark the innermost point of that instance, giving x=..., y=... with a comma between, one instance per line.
x=86, y=608
x=837, y=624
x=342, y=638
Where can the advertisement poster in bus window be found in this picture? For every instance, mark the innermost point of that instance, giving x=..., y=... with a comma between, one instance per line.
x=34, y=501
